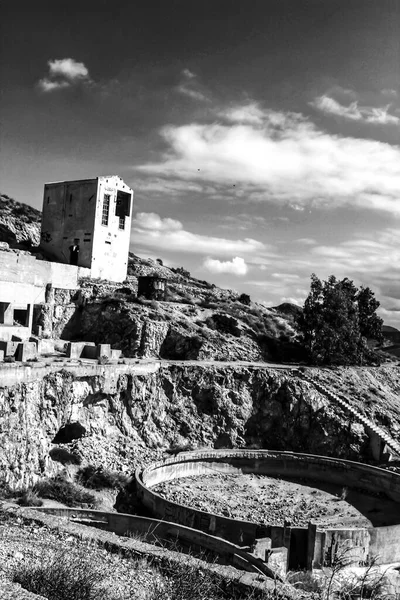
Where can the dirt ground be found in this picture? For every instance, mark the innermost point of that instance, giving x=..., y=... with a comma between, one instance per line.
x=263, y=499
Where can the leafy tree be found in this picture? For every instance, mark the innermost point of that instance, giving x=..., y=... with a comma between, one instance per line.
x=336, y=321
x=370, y=323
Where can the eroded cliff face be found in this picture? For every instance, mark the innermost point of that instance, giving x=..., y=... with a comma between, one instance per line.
x=124, y=418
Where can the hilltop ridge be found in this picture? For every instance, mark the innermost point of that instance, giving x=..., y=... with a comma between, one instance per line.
x=197, y=320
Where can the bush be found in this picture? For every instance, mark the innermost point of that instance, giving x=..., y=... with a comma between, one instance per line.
x=5, y=490
x=30, y=498
x=245, y=299
x=224, y=324
x=64, y=491
x=181, y=271
x=65, y=457
x=183, y=582
x=62, y=576
x=97, y=478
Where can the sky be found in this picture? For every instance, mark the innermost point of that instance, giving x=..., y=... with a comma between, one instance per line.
x=261, y=138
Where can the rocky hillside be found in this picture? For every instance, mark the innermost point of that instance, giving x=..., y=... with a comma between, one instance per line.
x=198, y=321
x=71, y=417
x=19, y=224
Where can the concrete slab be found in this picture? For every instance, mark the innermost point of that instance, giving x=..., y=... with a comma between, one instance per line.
x=79, y=349
x=26, y=351
x=89, y=351
x=103, y=350
x=9, y=347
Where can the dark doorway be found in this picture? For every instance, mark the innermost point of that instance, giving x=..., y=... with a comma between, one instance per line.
x=73, y=254
x=298, y=549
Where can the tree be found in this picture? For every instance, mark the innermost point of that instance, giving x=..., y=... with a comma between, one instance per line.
x=336, y=321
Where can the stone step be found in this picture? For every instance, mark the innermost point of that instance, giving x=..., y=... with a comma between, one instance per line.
x=364, y=420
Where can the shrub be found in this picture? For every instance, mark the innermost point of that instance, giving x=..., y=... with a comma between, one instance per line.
x=5, y=490
x=30, y=498
x=181, y=582
x=65, y=457
x=64, y=575
x=224, y=324
x=63, y=491
x=103, y=360
x=175, y=448
x=97, y=478
x=124, y=290
x=181, y=271
x=245, y=299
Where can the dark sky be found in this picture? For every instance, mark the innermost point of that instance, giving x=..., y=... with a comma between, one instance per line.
x=261, y=138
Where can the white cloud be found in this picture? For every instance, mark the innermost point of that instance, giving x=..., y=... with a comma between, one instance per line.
x=306, y=241
x=46, y=85
x=354, y=112
x=188, y=74
x=236, y=266
x=154, y=222
x=191, y=88
x=284, y=159
x=151, y=231
x=249, y=113
x=68, y=68
x=63, y=73
x=390, y=93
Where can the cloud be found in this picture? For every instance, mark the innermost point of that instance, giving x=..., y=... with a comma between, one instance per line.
x=390, y=93
x=250, y=113
x=154, y=222
x=188, y=74
x=306, y=241
x=236, y=266
x=354, y=112
x=68, y=68
x=64, y=73
x=191, y=88
x=151, y=231
x=46, y=85
x=282, y=158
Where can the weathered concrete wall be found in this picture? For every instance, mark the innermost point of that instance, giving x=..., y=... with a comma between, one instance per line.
x=321, y=468
x=154, y=530
x=382, y=543
x=23, y=278
x=351, y=544
x=128, y=547
x=68, y=213
x=14, y=373
x=110, y=243
x=385, y=543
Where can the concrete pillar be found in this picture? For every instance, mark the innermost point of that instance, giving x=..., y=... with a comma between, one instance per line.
x=261, y=548
x=312, y=533
x=29, y=309
x=6, y=313
x=26, y=351
x=103, y=350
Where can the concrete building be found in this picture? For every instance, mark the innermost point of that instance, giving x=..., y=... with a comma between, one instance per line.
x=152, y=287
x=87, y=223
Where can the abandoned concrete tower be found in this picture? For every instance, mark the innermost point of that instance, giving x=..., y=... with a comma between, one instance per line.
x=87, y=223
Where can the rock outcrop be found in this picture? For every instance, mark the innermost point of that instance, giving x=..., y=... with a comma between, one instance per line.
x=19, y=223
x=125, y=416
x=172, y=330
